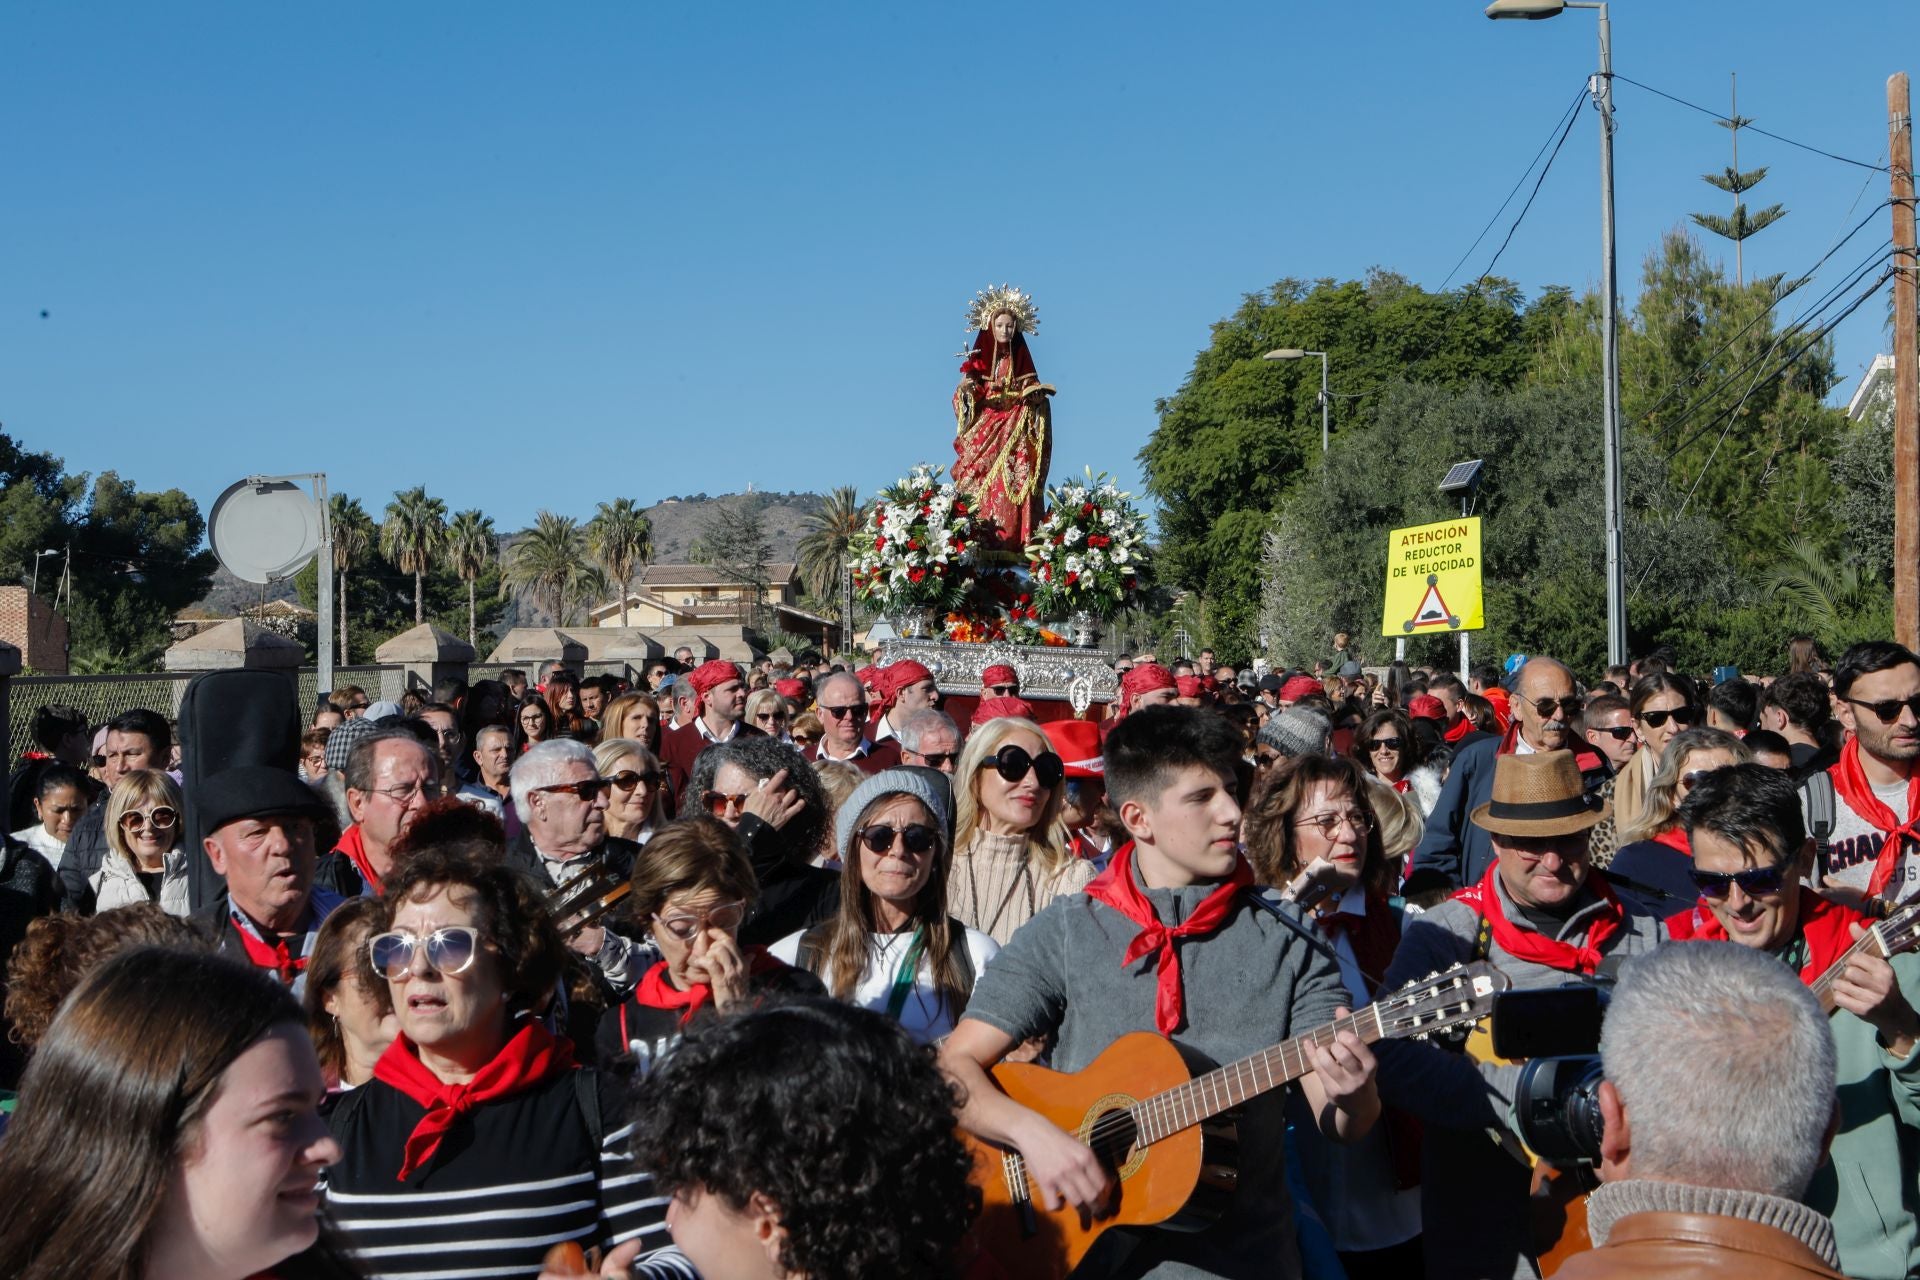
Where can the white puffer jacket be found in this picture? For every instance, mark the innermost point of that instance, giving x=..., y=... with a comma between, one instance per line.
x=115, y=884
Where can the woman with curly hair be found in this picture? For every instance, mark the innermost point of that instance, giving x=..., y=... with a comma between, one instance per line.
x=892, y=947
x=768, y=793
x=863, y=1179
x=60, y=950
x=1010, y=854
x=144, y=861
x=477, y=1144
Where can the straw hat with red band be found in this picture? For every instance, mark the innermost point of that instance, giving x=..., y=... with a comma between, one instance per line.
x=1539, y=795
x=1077, y=743
x=995, y=708
x=999, y=673
x=711, y=674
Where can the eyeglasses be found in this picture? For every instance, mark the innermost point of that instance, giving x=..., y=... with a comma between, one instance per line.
x=1888, y=710
x=160, y=816
x=1755, y=882
x=403, y=795
x=841, y=713
x=1681, y=715
x=450, y=950
x=588, y=789
x=1013, y=764
x=938, y=759
x=628, y=779
x=1003, y=690
x=724, y=915
x=719, y=803
x=1618, y=732
x=1545, y=707
x=1327, y=823
x=917, y=837
x=1385, y=744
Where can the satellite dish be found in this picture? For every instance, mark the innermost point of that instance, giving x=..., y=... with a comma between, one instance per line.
x=264, y=530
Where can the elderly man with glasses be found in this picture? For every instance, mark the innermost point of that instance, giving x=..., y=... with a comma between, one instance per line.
x=561, y=800
x=391, y=776
x=841, y=703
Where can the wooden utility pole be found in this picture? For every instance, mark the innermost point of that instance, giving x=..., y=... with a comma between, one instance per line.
x=1906, y=369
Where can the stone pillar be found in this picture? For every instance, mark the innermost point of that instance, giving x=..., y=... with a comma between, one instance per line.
x=425, y=655
x=528, y=647
x=233, y=644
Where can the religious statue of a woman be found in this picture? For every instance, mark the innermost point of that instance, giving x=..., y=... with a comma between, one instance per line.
x=1004, y=423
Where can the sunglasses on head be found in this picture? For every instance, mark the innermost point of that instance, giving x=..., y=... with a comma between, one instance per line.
x=588, y=789
x=161, y=817
x=1681, y=715
x=1888, y=710
x=1012, y=763
x=628, y=779
x=449, y=951
x=1755, y=882
x=918, y=837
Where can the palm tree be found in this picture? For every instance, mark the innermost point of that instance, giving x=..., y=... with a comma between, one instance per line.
x=620, y=538
x=550, y=560
x=352, y=538
x=1838, y=601
x=471, y=546
x=411, y=537
x=824, y=550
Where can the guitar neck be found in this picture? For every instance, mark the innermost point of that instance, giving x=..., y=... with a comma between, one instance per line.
x=1868, y=943
x=1224, y=1088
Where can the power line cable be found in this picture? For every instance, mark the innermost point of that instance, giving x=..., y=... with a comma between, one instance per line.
x=1558, y=125
x=1708, y=111
x=1572, y=116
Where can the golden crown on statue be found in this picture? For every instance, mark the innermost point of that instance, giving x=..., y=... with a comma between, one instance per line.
x=989, y=303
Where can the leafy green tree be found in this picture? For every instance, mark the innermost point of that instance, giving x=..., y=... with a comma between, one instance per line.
x=353, y=538
x=550, y=560
x=620, y=539
x=826, y=546
x=411, y=537
x=471, y=546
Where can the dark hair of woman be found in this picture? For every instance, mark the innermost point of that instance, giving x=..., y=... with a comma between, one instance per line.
x=567, y=722
x=114, y=1097
x=1653, y=684
x=850, y=932
x=689, y=855
x=1803, y=655
x=1271, y=843
x=507, y=908
x=532, y=702
x=1392, y=723
x=1480, y=711
x=339, y=946
x=864, y=1165
x=59, y=951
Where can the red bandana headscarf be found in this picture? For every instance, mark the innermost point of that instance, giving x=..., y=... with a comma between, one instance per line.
x=710, y=675
x=995, y=708
x=1538, y=948
x=999, y=673
x=794, y=691
x=1823, y=923
x=890, y=680
x=1850, y=780
x=1116, y=888
x=1300, y=687
x=531, y=1058
x=657, y=991
x=1144, y=678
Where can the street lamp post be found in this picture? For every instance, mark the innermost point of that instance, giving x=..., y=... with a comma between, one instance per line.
x=1601, y=87
x=1295, y=353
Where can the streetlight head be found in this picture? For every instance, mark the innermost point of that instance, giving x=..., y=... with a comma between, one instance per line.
x=1285, y=353
x=1532, y=10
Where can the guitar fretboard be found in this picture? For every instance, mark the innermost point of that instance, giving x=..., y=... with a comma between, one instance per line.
x=1869, y=942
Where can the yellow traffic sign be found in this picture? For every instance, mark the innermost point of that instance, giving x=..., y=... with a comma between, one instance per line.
x=1433, y=578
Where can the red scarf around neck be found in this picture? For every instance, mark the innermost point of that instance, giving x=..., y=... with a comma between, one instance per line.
x=1675, y=838
x=1850, y=780
x=1823, y=923
x=532, y=1057
x=275, y=955
x=1115, y=887
x=353, y=843
x=1461, y=728
x=1535, y=947
x=657, y=991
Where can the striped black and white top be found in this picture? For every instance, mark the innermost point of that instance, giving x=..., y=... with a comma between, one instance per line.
x=509, y=1181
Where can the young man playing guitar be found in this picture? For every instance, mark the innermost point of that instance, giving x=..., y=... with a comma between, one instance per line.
x=1168, y=939
x=1750, y=853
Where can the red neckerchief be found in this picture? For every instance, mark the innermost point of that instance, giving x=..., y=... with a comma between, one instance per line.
x=1115, y=887
x=1850, y=780
x=657, y=991
x=1461, y=728
x=1675, y=838
x=354, y=844
x=531, y=1058
x=275, y=955
x=1402, y=785
x=1535, y=947
x=1823, y=923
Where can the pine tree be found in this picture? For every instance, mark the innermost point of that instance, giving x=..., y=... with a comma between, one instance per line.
x=1740, y=224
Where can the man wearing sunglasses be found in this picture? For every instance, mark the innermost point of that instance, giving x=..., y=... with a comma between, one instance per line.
x=930, y=739
x=841, y=703
x=562, y=800
x=1610, y=731
x=1751, y=852
x=259, y=824
x=1456, y=851
x=1873, y=845
x=722, y=702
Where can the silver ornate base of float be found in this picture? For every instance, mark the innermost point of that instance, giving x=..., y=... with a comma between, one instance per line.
x=1083, y=630
x=1079, y=676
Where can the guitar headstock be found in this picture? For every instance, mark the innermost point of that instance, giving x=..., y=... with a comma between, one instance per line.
x=1900, y=931
x=1440, y=1001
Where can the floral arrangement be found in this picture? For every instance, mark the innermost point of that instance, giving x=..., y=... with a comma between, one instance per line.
x=921, y=546
x=1083, y=555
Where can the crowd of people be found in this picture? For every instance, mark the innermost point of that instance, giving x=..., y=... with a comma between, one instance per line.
x=708, y=970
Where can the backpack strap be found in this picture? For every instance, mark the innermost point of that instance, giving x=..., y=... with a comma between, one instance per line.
x=586, y=1092
x=1820, y=815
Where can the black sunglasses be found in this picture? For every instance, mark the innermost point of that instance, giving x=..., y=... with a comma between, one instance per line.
x=1618, y=732
x=937, y=759
x=1384, y=744
x=879, y=838
x=841, y=713
x=628, y=779
x=1755, y=882
x=1681, y=715
x=1544, y=707
x=1012, y=763
x=1888, y=710
x=1003, y=690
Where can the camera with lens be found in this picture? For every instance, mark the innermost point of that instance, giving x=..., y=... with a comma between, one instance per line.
x=1555, y=1035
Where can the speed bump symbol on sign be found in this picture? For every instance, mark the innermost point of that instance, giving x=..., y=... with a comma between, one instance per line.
x=1433, y=610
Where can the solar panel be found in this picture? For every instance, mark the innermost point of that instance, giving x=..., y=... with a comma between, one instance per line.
x=1462, y=475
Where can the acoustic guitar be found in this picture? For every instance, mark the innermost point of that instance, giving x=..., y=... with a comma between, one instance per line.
x=1163, y=1130
x=1899, y=932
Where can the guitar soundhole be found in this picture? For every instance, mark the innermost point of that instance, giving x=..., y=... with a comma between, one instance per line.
x=1114, y=1136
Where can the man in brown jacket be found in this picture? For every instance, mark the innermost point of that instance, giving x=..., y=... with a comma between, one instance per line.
x=1717, y=1108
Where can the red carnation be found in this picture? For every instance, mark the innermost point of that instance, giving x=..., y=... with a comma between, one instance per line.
x=879, y=544
x=959, y=508
x=1087, y=510
x=916, y=575
x=1131, y=583
x=913, y=544
x=1025, y=598
x=1072, y=578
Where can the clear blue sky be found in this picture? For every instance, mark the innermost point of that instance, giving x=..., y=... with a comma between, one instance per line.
x=545, y=255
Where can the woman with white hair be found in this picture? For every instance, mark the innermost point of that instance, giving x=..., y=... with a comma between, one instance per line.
x=1010, y=853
